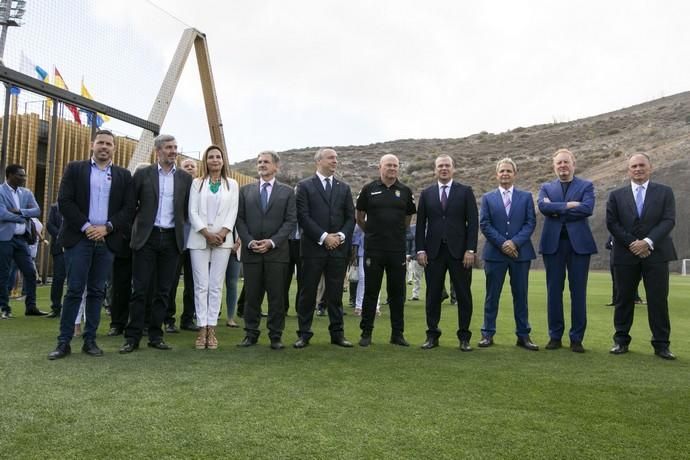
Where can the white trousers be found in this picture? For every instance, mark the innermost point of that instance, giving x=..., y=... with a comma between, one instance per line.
x=208, y=268
x=414, y=276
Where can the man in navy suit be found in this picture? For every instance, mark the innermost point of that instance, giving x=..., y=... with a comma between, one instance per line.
x=640, y=216
x=507, y=220
x=96, y=203
x=326, y=215
x=17, y=207
x=446, y=240
x=265, y=220
x=566, y=244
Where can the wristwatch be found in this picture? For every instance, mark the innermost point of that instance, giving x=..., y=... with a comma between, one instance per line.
x=471, y=251
x=109, y=227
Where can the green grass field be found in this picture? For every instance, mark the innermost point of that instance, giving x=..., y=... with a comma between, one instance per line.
x=325, y=402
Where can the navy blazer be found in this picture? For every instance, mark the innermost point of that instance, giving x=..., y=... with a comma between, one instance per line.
x=73, y=201
x=657, y=220
x=498, y=227
x=458, y=224
x=317, y=214
x=575, y=219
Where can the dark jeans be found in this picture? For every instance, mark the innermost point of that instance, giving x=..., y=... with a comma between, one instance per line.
x=394, y=264
x=88, y=264
x=18, y=250
x=153, y=266
x=57, y=287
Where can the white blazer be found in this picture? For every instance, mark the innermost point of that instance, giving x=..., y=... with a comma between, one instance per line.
x=225, y=217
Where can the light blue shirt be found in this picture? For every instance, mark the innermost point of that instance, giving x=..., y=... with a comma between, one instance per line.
x=99, y=196
x=165, y=217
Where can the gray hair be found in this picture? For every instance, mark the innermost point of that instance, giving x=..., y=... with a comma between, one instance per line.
x=319, y=153
x=506, y=161
x=274, y=156
x=162, y=139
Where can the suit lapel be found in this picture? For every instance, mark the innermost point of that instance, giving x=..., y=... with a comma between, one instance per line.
x=153, y=175
x=319, y=186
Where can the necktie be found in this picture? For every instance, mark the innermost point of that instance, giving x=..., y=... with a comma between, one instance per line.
x=264, y=196
x=328, y=187
x=506, y=201
x=639, y=200
x=444, y=197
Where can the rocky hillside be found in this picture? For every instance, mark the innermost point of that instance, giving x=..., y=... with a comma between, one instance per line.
x=661, y=128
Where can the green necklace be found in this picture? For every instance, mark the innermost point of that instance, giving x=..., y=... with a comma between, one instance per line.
x=214, y=186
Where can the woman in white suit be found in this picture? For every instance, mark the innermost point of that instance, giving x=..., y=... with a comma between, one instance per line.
x=213, y=202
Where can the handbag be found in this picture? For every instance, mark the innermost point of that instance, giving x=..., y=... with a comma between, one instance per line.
x=353, y=274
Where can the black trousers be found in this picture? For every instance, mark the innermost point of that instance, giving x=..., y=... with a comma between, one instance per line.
x=153, y=266
x=333, y=270
x=58, y=285
x=188, y=310
x=259, y=279
x=461, y=280
x=655, y=278
x=295, y=263
x=395, y=267
x=122, y=290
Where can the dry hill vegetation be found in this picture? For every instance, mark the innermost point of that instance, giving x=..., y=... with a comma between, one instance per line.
x=660, y=128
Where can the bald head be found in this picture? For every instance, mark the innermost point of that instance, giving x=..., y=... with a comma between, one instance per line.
x=639, y=168
x=388, y=169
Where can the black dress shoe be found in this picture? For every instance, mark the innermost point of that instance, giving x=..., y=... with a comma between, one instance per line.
x=247, y=342
x=171, y=329
x=128, y=347
x=526, y=343
x=159, y=345
x=465, y=345
x=114, y=331
x=485, y=342
x=91, y=349
x=554, y=344
x=53, y=314
x=62, y=350
x=341, y=342
x=399, y=340
x=429, y=344
x=665, y=353
x=301, y=343
x=190, y=327
x=619, y=349
x=277, y=345
x=577, y=347
x=365, y=341
x=35, y=312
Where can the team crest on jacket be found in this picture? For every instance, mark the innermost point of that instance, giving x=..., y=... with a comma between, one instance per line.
x=368, y=262
x=397, y=193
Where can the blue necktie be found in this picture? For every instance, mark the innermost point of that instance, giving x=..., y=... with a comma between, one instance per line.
x=639, y=200
x=264, y=196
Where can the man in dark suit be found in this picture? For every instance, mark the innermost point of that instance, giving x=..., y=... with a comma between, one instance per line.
x=446, y=240
x=566, y=243
x=95, y=200
x=640, y=216
x=161, y=195
x=57, y=252
x=507, y=220
x=384, y=210
x=265, y=220
x=17, y=207
x=326, y=216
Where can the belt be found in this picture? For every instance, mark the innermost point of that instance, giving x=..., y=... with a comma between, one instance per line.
x=163, y=229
